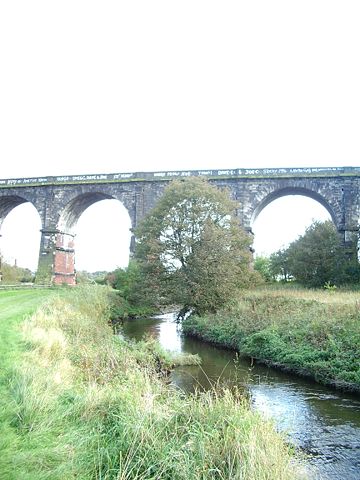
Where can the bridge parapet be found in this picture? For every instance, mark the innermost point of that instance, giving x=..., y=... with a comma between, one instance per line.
x=169, y=175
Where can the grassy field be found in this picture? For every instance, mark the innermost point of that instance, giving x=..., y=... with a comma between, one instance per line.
x=314, y=333
x=82, y=403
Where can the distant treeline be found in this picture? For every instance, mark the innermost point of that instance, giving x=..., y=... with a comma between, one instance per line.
x=12, y=274
x=316, y=259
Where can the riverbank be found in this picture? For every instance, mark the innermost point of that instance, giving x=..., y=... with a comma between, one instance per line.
x=86, y=404
x=311, y=333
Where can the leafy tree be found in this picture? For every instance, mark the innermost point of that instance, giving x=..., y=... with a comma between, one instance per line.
x=279, y=265
x=191, y=249
x=263, y=266
x=126, y=281
x=129, y=282
x=318, y=257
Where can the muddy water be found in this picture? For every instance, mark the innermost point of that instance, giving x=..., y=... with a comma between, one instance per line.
x=322, y=422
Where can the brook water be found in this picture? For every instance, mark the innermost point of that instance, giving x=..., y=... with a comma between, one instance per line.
x=324, y=423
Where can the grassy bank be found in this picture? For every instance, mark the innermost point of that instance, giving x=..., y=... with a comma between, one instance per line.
x=313, y=333
x=87, y=405
x=14, y=307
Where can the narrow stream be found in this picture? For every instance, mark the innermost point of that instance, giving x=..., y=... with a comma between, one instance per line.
x=321, y=421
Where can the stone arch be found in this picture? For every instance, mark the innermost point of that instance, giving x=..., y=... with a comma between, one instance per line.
x=292, y=190
x=76, y=207
x=64, y=261
x=10, y=201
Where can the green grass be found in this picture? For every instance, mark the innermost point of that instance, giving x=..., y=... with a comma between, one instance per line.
x=87, y=405
x=14, y=307
x=313, y=333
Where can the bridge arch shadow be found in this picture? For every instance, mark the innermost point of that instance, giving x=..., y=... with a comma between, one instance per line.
x=89, y=227
x=20, y=227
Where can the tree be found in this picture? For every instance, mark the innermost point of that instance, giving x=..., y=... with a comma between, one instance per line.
x=191, y=249
x=318, y=257
x=132, y=289
x=279, y=265
x=263, y=266
x=128, y=282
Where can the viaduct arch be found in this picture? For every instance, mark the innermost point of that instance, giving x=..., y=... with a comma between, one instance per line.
x=60, y=201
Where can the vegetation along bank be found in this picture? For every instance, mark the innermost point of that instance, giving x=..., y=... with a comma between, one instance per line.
x=192, y=252
x=312, y=333
x=80, y=402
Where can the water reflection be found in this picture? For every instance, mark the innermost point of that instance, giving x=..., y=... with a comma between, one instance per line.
x=323, y=422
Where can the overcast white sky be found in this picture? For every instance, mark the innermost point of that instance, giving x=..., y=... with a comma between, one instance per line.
x=113, y=86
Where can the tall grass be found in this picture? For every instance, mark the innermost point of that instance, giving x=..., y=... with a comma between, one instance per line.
x=88, y=405
x=314, y=333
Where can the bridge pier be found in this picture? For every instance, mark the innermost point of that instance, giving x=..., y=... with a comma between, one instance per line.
x=56, y=259
x=349, y=240
x=44, y=274
x=64, y=260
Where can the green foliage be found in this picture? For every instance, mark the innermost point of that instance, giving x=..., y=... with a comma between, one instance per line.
x=317, y=258
x=133, y=298
x=126, y=282
x=262, y=265
x=191, y=249
x=12, y=274
x=329, y=287
x=85, y=404
x=85, y=277
x=279, y=265
x=318, y=338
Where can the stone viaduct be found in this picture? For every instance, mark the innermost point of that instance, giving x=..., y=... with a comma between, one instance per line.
x=60, y=201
